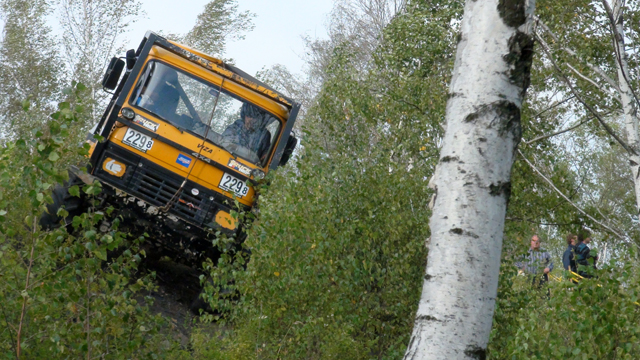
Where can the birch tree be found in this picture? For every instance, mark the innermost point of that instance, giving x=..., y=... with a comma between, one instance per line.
x=29, y=66
x=93, y=32
x=357, y=23
x=472, y=181
x=219, y=23
x=590, y=60
x=627, y=95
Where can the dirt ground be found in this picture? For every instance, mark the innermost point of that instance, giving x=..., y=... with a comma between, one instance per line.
x=178, y=286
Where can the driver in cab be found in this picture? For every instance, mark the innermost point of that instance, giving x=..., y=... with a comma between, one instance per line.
x=250, y=130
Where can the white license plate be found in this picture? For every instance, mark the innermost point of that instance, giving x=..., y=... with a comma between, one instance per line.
x=137, y=140
x=233, y=184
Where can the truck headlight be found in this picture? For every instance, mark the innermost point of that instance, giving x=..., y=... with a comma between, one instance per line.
x=257, y=174
x=128, y=113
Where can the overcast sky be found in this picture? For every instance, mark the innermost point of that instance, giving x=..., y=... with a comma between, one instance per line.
x=276, y=39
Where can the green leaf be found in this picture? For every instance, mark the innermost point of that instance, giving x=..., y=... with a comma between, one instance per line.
x=101, y=254
x=93, y=189
x=74, y=191
x=64, y=175
x=54, y=156
x=62, y=212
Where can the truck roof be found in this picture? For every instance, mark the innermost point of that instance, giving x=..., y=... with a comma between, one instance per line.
x=214, y=64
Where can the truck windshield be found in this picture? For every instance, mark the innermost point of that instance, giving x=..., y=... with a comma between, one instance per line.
x=190, y=104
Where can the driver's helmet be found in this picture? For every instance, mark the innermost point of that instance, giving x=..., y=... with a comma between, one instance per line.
x=251, y=111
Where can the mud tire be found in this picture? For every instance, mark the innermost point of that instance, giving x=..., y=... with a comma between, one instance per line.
x=61, y=197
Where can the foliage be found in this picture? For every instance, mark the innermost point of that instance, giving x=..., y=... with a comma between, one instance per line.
x=337, y=254
x=29, y=67
x=296, y=86
x=92, y=35
x=594, y=319
x=586, y=165
x=71, y=292
x=576, y=160
x=339, y=243
x=219, y=23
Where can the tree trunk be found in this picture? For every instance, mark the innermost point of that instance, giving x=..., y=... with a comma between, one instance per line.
x=472, y=181
x=629, y=105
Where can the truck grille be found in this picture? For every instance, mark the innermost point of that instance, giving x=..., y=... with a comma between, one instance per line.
x=158, y=189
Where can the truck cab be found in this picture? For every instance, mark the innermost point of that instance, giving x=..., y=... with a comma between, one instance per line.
x=186, y=136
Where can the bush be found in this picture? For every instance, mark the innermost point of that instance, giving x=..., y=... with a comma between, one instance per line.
x=66, y=293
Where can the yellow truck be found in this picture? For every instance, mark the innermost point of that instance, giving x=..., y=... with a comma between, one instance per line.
x=182, y=140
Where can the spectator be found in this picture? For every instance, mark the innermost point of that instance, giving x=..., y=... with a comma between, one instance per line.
x=568, y=258
x=584, y=257
x=536, y=263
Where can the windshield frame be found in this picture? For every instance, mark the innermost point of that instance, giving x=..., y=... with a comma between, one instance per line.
x=144, y=77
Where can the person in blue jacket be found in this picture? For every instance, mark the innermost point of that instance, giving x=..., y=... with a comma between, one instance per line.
x=584, y=257
x=568, y=258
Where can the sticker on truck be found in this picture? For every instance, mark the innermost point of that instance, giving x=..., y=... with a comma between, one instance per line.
x=183, y=160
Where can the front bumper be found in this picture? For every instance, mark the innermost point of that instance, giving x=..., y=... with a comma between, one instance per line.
x=156, y=186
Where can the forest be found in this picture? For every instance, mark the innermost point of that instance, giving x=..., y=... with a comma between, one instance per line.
x=407, y=161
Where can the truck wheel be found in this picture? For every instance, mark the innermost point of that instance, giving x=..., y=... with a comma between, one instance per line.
x=61, y=197
x=200, y=304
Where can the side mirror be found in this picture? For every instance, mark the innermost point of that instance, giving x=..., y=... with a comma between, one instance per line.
x=288, y=150
x=112, y=75
x=131, y=59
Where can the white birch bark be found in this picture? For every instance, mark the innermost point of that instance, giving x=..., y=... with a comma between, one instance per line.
x=472, y=181
x=629, y=105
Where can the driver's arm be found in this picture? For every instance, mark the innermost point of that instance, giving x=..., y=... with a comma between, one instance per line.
x=232, y=130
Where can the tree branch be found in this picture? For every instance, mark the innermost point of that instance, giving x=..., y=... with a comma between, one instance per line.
x=535, y=169
x=595, y=68
x=9, y=327
x=538, y=223
x=545, y=48
x=26, y=287
x=557, y=133
x=614, y=95
x=616, y=35
x=554, y=106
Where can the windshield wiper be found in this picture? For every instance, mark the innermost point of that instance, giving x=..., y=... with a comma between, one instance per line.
x=235, y=157
x=224, y=147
